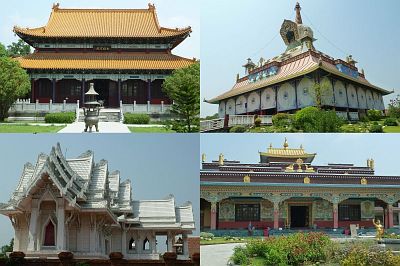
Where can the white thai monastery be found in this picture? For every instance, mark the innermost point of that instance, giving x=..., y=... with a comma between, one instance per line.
x=80, y=206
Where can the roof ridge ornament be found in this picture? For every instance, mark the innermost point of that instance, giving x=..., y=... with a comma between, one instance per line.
x=298, y=14
x=56, y=6
x=285, y=144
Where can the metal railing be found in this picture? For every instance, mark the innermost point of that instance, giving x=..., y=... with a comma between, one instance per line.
x=233, y=120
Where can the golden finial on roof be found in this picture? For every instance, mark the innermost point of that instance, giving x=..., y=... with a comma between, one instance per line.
x=372, y=164
x=56, y=6
x=285, y=144
x=152, y=6
x=203, y=157
x=298, y=14
x=221, y=159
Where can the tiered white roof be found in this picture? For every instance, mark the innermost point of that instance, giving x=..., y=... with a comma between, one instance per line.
x=87, y=185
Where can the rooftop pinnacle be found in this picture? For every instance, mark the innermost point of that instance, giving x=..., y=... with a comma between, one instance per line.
x=298, y=15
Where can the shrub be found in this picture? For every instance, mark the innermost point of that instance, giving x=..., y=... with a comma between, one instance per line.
x=53, y=118
x=136, y=118
x=359, y=255
x=394, y=107
x=307, y=119
x=282, y=120
x=257, y=122
x=207, y=235
x=374, y=115
x=311, y=119
x=240, y=255
x=375, y=128
x=390, y=121
x=237, y=129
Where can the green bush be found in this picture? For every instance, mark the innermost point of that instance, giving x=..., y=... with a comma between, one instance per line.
x=376, y=128
x=237, y=129
x=390, y=121
x=282, y=120
x=62, y=118
x=374, y=115
x=257, y=122
x=359, y=255
x=136, y=118
x=207, y=235
x=240, y=256
x=311, y=119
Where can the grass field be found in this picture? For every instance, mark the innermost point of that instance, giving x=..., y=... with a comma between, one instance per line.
x=391, y=129
x=14, y=128
x=150, y=130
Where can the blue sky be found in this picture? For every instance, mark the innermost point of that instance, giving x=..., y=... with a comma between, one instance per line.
x=171, y=13
x=233, y=30
x=330, y=148
x=156, y=164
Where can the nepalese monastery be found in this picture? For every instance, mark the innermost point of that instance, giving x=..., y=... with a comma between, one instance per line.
x=81, y=206
x=124, y=52
x=286, y=82
x=287, y=190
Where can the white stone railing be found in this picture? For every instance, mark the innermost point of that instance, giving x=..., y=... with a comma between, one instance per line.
x=353, y=116
x=342, y=115
x=209, y=125
x=248, y=120
x=146, y=108
x=27, y=106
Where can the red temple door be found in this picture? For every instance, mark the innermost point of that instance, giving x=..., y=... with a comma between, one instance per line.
x=49, y=235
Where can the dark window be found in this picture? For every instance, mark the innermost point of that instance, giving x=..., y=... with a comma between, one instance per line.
x=349, y=212
x=247, y=212
x=132, y=244
x=146, y=244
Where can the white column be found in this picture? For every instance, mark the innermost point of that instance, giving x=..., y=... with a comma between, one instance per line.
x=61, y=225
x=33, y=226
x=92, y=233
x=153, y=245
x=123, y=241
x=170, y=239
x=185, y=245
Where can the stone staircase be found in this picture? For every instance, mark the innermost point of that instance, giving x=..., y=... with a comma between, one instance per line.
x=106, y=115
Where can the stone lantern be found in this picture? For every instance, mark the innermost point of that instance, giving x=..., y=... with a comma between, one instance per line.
x=91, y=109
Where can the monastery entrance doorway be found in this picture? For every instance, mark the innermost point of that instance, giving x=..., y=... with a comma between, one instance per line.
x=108, y=92
x=299, y=216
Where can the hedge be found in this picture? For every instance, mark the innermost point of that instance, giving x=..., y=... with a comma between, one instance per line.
x=136, y=119
x=62, y=118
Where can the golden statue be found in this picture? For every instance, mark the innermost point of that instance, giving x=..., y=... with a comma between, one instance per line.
x=246, y=179
x=379, y=229
x=221, y=159
x=290, y=168
x=309, y=168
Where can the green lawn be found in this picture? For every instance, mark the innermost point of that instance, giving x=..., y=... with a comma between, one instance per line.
x=150, y=130
x=18, y=128
x=391, y=129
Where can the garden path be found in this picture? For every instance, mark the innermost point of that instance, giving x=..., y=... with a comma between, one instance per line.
x=216, y=255
x=104, y=127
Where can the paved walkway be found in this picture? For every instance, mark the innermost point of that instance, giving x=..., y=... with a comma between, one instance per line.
x=104, y=127
x=216, y=255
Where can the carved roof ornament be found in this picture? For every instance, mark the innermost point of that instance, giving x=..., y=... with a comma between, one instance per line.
x=203, y=157
x=298, y=14
x=221, y=159
x=306, y=180
x=363, y=181
x=246, y=179
x=285, y=144
x=56, y=6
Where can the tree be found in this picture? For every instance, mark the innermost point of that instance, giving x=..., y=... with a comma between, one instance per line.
x=183, y=87
x=14, y=83
x=7, y=248
x=3, y=51
x=19, y=48
x=321, y=91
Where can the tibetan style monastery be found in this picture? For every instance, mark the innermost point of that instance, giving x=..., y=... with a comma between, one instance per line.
x=80, y=206
x=124, y=52
x=285, y=83
x=286, y=190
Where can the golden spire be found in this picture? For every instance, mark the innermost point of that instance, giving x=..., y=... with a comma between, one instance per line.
x=298, y=15
x=372, y=164
x=285, y=144
x=270, y=145
x=203, y=157
x=221, y=159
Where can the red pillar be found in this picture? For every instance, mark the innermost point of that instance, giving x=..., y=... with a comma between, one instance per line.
x=276, y=215
x=386, y=218
x=33, y=90
x=213, y=215
x=390, y=216
x=335, y=215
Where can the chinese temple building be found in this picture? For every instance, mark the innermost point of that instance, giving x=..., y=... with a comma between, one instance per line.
x=287, y=82
x=124, y=52
x=83, y=207
x=286, y=190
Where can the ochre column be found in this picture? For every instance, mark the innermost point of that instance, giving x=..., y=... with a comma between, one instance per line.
x=335, y=215
x=276, y=215
x=61, y=225
x=213, y=215
x=390, y=215
x=386, y=218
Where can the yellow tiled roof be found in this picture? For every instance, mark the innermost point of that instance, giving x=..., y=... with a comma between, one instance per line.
x=286, y=152
x=118, y=23
x=101, y=60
